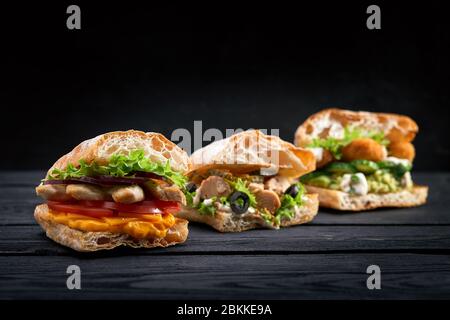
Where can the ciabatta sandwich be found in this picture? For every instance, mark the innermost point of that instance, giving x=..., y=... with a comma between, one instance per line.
x=364, y=159
x=119, y=188
x=249, y=181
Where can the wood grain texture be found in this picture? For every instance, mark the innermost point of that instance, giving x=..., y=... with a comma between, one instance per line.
x=31, y=240
x=326, y=259
x=319, y=276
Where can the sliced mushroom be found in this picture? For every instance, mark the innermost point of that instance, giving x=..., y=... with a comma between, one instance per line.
x=278, y=184
x=214, y=186
x=267, y=199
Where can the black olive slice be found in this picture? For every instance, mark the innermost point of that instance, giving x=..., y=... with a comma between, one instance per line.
x=292, y=190
x=239, y=202
x=191, y=187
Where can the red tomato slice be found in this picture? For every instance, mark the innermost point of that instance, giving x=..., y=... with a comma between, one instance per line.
x=80, y=209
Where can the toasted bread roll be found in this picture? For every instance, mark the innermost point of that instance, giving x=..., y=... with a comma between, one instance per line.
x=250, y=151
x=344, y=201
x=99, y=149
x=331, y=123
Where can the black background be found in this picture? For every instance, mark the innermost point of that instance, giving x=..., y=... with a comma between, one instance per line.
x=160, y=67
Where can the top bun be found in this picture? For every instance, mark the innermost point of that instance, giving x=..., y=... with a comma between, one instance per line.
x=99, y=149
x=331, y=123
x=252, y=150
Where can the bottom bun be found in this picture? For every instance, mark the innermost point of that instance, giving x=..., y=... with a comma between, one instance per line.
x=230, y=222
x=93, y=241
x=344, y=201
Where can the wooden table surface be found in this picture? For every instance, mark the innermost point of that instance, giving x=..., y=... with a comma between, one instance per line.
x=326, y=259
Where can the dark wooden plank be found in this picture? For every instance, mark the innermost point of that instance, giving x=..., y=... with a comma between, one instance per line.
x=17, y=204
x=23, y=178
x=30, y=240
x=317, y=276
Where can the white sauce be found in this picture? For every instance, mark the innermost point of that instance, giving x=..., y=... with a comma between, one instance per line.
x=208, y=202
x=395, y=160
x=223, y=207
x=318, y=153
x=406, y=180
x=320, y=125
x=359, y=187
x=336, y=131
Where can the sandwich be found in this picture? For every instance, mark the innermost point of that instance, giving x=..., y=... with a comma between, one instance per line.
x=118, y=189
x=248, y=181
x=364, y=159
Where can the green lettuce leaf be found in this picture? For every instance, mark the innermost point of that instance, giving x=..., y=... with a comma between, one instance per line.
x=241, y=186
x=120, y=165
x=224, y=201
x=207, y=209
x=288, y=202
x=189, y=197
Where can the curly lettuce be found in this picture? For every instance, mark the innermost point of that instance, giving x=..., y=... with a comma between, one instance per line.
x=207, y=209
x=288, y=203
x=120, y=165
x=241, y=186
x=189, y=197
x=335, y=145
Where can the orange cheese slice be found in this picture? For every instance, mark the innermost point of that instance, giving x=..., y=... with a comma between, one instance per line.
x=139, y=226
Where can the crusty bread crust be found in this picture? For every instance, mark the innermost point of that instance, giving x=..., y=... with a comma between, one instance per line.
x=94, y=241
x=330, y=122
x=99, y=149
x=229, y=222
x=344, y=201
x=252, y=150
